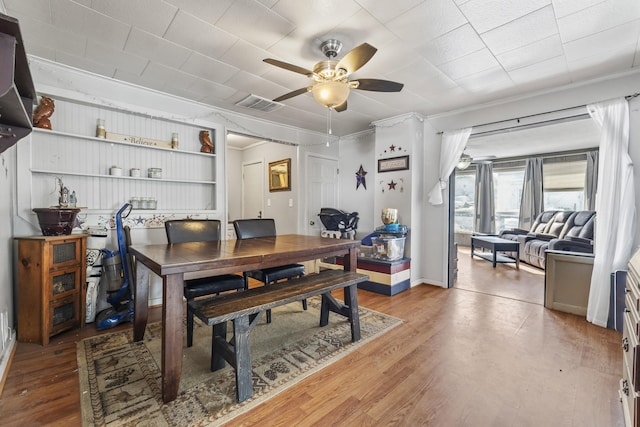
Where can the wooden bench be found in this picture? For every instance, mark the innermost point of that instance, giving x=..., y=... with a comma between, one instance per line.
x=244, y=309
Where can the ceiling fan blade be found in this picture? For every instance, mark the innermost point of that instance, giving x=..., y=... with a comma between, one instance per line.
x=289, y=67
x=377, y=85
x=341, y=107
x=356, y=58
x=292, y=94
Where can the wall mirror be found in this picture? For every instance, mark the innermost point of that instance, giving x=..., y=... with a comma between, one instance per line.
x=279, y=175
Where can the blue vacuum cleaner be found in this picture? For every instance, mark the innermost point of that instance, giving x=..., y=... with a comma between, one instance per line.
x=117, y=280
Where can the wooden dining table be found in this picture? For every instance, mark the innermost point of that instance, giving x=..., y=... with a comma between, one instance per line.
x=176, y=262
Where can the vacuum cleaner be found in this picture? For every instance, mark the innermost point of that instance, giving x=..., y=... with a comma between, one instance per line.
x=116, y=273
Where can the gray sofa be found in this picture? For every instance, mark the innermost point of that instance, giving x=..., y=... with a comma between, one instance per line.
x=571, y=231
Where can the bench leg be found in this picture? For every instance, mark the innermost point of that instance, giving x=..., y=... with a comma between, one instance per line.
x=348, y=310
x=219, y=333
x=244, y=382
x=351, y=299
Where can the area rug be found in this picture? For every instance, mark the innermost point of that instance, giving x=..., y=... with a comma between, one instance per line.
x=120, y=379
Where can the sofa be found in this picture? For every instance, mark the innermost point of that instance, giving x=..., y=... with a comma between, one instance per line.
x=571, y=231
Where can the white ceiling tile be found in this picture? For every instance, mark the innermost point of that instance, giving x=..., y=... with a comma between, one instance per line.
x=452, y=45
x=487, y=81
x=41, y=51
x=150, y=15
x=528, y=29
x=600, y=45
x=422, y=77
x=160, y=72
x=598, y=18
x=385, y=10
x=362, y=27
x=198, y=35
x=551, y=68
x=567, y=7
x=99, y=52
x=208, y=68
x=247, y=57
x=76, y=18
x=289, y=80
x=485, y=15
x=156, y=49
x=427, y=21
x=297, y=49
x=43, y=34
x=316, y=18
x=636, y=61
x=530, y=54
x=138, y=80
x=268, y=3
x=244, y=16
x=476, y=62
x=211, y=89
x=207, y=10
x=607, y=62
x=85, y=64
x=35, y=10
x=256, y=85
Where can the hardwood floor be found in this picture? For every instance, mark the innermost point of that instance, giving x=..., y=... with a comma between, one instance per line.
x=462, y=357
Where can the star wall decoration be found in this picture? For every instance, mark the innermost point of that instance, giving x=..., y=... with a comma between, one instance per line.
x=392, y=185
x=360, y=178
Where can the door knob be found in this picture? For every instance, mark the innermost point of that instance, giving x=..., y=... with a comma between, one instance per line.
x=312, y=223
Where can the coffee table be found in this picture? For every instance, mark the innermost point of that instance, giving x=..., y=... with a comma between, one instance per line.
x=495, y=244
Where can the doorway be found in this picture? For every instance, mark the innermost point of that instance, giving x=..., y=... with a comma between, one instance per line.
x=322, y=189
x=252, y=189
x=513, y=146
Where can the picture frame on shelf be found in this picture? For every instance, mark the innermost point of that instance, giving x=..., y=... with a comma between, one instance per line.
x=280, y=175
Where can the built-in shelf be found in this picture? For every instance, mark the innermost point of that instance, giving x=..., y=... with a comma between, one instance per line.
x=111, y=141
x=137, y=178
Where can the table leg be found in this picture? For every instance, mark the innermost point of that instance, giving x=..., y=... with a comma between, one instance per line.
x=351, y=299
x=171, y=335
x=244, y=382
x=495, y=255
x=140, y=301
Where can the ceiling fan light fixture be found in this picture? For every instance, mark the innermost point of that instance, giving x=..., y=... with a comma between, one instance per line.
x=464, y=162
x=330, y=94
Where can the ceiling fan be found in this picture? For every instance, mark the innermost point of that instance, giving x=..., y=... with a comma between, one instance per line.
x=331, y=84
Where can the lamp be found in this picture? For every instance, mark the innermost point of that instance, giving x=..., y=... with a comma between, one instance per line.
x=330, y=94
x=464, y=162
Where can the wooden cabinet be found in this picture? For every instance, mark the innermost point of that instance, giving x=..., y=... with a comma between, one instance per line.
x=50, y=286
x=630, y=382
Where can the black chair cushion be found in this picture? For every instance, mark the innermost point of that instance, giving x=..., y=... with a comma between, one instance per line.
x=273, y=274
x=192, y=230
x=212, y=285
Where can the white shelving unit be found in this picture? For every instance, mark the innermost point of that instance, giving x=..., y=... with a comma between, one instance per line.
x=83, y=161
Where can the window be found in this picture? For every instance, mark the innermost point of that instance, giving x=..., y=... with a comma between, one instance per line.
x=507, y=190
x=564, y=183
x=464, y=200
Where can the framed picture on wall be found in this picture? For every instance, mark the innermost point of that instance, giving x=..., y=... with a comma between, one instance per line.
x=393, y=164
x=280, y=175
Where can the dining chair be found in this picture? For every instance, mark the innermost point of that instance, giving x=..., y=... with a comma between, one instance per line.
x=266, y=227
x=200, y=230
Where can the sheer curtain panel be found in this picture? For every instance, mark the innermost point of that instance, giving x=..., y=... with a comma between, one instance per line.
x=453, y=144
x=615, y=204
x=591, y=181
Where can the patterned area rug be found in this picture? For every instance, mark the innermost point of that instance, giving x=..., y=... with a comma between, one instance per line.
x=120, y=379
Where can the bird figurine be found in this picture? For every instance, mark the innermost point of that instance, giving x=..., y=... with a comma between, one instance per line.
x=205, y=140
x=43, y=111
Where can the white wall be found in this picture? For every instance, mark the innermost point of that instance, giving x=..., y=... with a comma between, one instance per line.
x=355, y=151
x=234, y=183
x=7, y=172
x=277, y=203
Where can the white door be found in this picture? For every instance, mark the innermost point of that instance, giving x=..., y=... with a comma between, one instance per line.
x=252, y=189
x=322, y=192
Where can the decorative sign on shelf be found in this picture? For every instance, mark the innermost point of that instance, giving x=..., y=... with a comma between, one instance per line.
x=138, y=140
x=393, y=164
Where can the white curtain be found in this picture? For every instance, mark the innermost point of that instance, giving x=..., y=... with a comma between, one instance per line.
x=615, y=204
x=485, y=211
x=453, y=144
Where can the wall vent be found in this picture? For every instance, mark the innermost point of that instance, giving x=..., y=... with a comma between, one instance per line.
x=256, y=102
